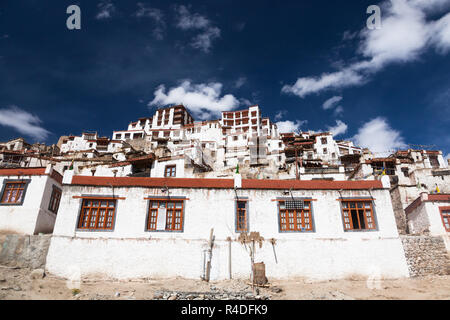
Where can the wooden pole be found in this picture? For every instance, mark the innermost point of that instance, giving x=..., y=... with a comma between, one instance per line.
x=208, y=263
x=229, y=257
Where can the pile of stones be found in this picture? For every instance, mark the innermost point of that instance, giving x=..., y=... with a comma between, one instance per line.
x=214, y=294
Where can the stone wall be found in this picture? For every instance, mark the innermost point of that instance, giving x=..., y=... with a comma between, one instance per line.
x=24, y=251
x=426, y=255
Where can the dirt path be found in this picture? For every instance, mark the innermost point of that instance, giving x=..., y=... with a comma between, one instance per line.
x=18, y=284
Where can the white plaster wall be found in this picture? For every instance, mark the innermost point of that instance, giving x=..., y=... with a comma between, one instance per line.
x=434, y=217
x=131, y=252
x=158, y=168
x=33, y=215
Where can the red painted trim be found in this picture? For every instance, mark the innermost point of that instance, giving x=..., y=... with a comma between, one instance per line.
x=225, y=183
x=23, y=172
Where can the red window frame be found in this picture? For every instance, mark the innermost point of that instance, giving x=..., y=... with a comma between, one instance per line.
x=298, y=220
x=97, y=214
x=13, y=192
x=354, y=210
x=55, y=200
x=174, y=214
x=170, y=171
x=445, y=216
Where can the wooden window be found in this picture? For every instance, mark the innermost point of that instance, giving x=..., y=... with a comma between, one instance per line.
x=170, y=171
x=241, y=216
x=13, y=193
x=295, y=215
x=97, y=214
x=165, y=215
x=445, y=215
x=358, y=215
x=434, y=161
x=54, y=200
x=324, y=140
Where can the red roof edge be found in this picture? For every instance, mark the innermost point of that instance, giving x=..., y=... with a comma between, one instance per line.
x=23, y=172
x=435, y=197
x=225, y=183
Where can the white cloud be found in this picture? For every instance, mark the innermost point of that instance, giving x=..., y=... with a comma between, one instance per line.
x=280, y=114
x=405, y=34
x=240, y=82
x=307, y=85
x=204, y=100
x=440, y=34
x=156, y=15
x=195, y=21
x=203, y=41
x=338, y=129
x=290, y=126
x=447, y=157
x=106, y=10
x=330, y=103
x=379, y=137
x=338, y=111
x=187, y=20
x=24, y=122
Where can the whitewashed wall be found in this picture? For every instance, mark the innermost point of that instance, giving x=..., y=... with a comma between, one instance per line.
x=33, y=216
x=131, y=252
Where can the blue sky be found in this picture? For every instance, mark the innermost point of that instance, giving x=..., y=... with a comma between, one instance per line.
x=310, y=65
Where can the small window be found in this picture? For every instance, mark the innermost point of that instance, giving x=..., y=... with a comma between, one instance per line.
x=445, y=214
x=13, y=192
x=165, y=215
x=325, y=150
x=405, y=172
x=324, y=140
x=434, y=162
x=97, y=214
x=241, y=216
x=358, y=215
x=295, y=215
x=170, y=171
x=54, y=200
x=235, y=138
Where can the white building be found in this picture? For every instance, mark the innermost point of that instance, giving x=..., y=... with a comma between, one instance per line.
x=29, y=200
x=89, y=142
x=128, y=228
x=430, y=213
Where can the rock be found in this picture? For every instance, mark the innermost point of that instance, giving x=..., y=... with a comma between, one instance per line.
x=276, y=289
x=2, y=280
x=172, y=297
x=117, y=294
x=37, y=274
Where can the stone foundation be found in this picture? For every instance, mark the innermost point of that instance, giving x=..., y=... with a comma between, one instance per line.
x=24, y=251
x=426, y=255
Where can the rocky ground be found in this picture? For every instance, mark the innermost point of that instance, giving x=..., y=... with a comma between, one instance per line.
x=26, y=284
